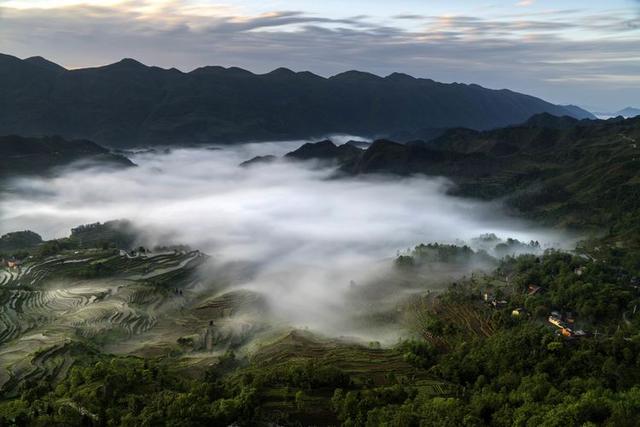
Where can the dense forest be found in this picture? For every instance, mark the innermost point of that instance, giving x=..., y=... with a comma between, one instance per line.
x=484, y=353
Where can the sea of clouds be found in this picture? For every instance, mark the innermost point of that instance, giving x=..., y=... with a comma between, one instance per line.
x=305, y=235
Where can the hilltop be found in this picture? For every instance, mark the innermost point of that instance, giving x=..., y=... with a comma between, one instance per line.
x=22, y=155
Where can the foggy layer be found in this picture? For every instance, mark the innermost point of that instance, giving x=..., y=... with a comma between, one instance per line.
x=304, y=235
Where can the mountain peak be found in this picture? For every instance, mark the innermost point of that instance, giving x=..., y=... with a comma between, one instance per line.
x=45, y=63
x=354, y=75
x=129, y=63
x=281, y=71
x=399, y=77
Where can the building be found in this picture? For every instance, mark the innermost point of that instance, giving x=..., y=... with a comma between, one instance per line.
x=13, y=263
x=519, y=312
x=565, y=328
x=556, y=321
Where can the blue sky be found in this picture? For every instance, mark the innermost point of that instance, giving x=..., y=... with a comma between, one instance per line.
x=565, y=51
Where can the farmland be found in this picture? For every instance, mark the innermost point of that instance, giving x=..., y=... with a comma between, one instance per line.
x=94, y=297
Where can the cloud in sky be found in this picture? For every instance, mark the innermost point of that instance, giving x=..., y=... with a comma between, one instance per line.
x=576, y=54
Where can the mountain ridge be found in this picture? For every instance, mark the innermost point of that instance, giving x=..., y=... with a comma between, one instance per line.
x=129, y=103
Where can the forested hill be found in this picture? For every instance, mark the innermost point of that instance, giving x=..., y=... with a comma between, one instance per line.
x=558, y=170
x=128, y=103
x=28, y=156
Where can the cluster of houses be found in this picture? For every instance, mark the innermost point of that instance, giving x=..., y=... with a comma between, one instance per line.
x=141, y=251
x=494, y=302
x=11, y=263
x=565, y=325
x=502, y=303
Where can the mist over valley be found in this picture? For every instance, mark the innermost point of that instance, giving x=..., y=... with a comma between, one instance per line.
x=289, y=230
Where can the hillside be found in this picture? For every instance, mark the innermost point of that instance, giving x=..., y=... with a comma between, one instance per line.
x=101, y=336
x=128, y=103
x=20, y=155
x=575, y=173
x=557, y=170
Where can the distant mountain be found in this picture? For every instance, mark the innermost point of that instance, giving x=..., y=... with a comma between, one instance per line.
x=128, y=103
x=325, y=150
x=578, y=113
x=19, y=155
x=628, y=112
x=258, y=160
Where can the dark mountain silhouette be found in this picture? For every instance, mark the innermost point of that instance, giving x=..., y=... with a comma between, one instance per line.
x=46, y=64
x=129, y=103
x=325, y=150
x=19, y=155
x=259, y=160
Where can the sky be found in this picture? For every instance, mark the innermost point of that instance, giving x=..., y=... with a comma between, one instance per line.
x=565, y=51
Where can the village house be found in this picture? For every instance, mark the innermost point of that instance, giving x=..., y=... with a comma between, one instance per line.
x=556, y=321
x=519, y=312
x=13, y=263
x=490, y=299
x=563, y=325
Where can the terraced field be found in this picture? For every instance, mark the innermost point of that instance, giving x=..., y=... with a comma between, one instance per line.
x=55, y=310
x=89, y=297
x=367, y=367
x=366, y=364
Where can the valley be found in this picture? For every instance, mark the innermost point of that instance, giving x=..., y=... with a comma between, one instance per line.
x=267, y=324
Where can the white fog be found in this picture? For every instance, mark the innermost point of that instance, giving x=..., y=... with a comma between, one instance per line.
x=304, y=234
